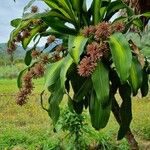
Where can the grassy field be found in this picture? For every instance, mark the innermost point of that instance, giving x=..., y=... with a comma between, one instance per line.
x=29, y=127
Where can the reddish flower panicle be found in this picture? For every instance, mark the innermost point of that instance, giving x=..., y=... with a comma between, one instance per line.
x=51, y=39
x=25, y=33
x=35, y=53
x=86, y=67
x=118, y=27
x=103, y=31
x=88, y=31
x=93, y=50
x=34, y=9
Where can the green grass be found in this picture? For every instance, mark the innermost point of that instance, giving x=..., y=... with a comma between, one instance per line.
x=10, y=71
x=29, y=127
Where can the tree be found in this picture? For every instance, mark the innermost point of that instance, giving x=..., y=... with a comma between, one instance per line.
x=95, y=58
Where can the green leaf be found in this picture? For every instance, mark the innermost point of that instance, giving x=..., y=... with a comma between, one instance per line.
x=125, y=110
x=61, y=6
x=33, y=32
x=59, y=25
x=54, y=101
x=99, y=115
x=52, y=73
x=19, y=79
x=144, y=87
x=136, y=75
x=15, y=22
x=64, y=68
x=121, y=55
x=78, y=106
x=28, y=57
x=147, y=14
x=76, y=46
x=83, y=91
x=115, y=6
x=96, y=11
x=14, y=33
x=100, y=79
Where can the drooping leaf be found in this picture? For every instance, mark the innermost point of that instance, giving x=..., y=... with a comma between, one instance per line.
x=125, y=110
x=28, y=57
x=96, y=11
x=61, y=6
x=19, y=79
x=115, y=6
x=52, y=73
x=144, y=87
x=76, y=46
x=99, y=115
x=100, y=79
x=83, y=91
x=54, y=101
x=59, y=25
x=64, y=68
x=135, y=77
x=121, y=55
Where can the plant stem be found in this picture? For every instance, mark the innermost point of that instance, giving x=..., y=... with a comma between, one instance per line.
x=129, y=136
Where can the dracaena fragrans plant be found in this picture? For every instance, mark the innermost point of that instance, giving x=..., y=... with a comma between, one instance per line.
x=91, y=54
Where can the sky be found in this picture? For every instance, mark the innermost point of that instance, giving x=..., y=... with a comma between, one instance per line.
x=10, y=10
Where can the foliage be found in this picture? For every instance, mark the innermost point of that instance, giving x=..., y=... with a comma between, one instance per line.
x=95, y=58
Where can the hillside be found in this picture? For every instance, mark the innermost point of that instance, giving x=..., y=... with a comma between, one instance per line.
x=19, y=53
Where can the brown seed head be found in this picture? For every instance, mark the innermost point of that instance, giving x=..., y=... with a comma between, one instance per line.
x=118, y=27
x=25, y=33
x=35, y=53
x=88, y=31
x=39, y=70
x=34, y=9
x=103, y=31
x=51, y=39
x=59, y=48
x=93, y=50
x=86, y=67
x=44, y=58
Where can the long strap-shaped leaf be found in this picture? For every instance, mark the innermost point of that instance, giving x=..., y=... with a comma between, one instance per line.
x=100, y=79
x=115, y=7
x=125, y=110
x=76, y=46
x=99, y=115
x=62, y=7
x=96, y=11
x=121, y=55
x=58, y=25
x=136, y=76
x=59, y=87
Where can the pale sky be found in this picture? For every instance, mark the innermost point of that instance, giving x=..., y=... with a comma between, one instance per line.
x=10, y=10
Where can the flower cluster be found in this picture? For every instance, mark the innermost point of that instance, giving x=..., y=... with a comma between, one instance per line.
x=95, y=52
x=34, y=72
x=51, y=39
x=34, y=9
x=99, y=47
x=24, y=33
x=103, y=30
